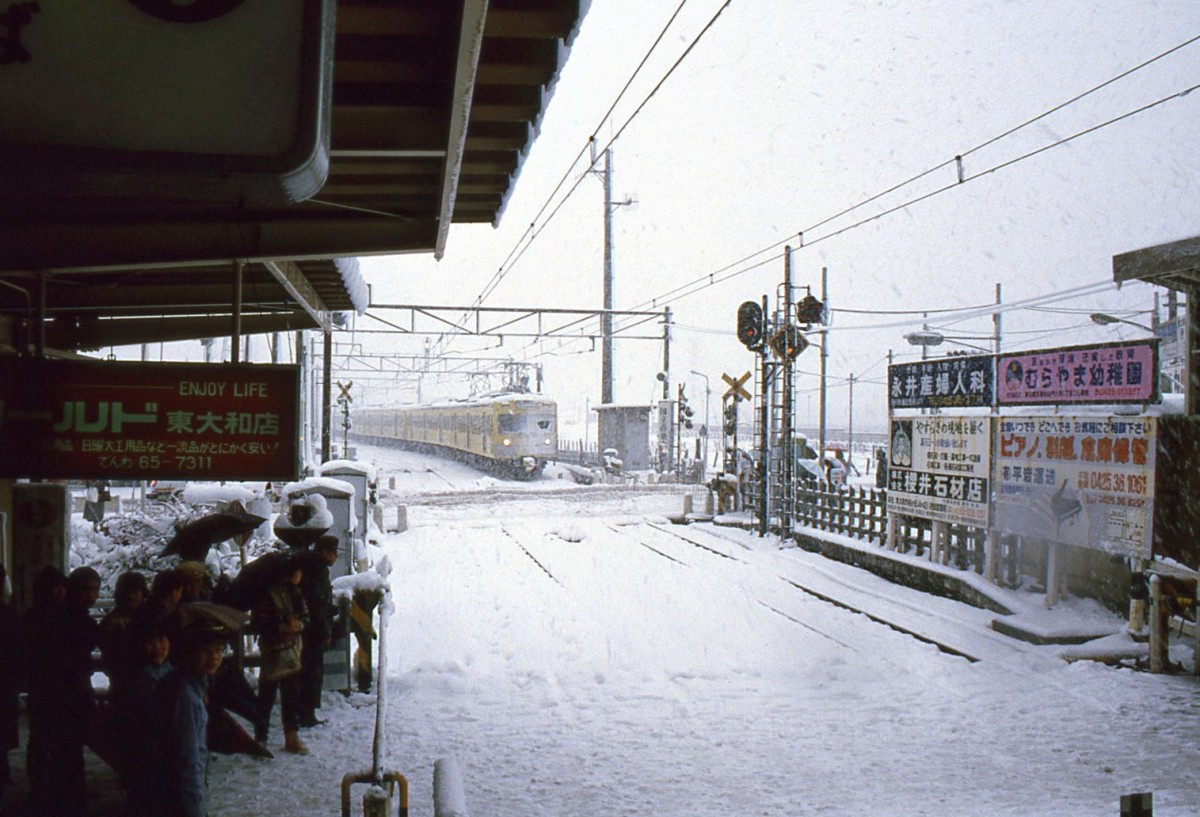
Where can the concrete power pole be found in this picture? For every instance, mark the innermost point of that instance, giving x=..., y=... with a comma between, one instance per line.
x=606, y=365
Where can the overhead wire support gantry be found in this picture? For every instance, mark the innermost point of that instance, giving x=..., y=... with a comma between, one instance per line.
x=512, y=322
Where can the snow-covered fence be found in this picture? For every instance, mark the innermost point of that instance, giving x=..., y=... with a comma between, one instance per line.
x=857, y=512
x=861, y=512
x=578, y=452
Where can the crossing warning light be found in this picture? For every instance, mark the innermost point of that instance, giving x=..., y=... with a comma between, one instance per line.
x=750, y=325
x=788, y=343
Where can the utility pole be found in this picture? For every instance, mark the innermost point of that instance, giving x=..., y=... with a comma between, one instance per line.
x=327, y=393
x=785, y=435
x=666, y=379
x=996, y=319
x=850, y=429
x=764, y=462
x=824, y=360
x=606, y=329
x=606, y=366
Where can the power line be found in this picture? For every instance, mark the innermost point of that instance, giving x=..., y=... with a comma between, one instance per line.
x=683, y=290
x=533, y=231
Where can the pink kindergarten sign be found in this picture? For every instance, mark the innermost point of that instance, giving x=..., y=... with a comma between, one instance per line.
x=1103, y=373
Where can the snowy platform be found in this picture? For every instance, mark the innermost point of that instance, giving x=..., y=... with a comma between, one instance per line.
x=1055, y=627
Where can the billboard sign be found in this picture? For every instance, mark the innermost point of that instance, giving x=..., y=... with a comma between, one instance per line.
x=1101, y=373
x=1080, y=480
x=953, y=382
x=938, y=468
x=80, y=419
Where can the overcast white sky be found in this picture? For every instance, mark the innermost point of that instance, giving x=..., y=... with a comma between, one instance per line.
x=787, y=113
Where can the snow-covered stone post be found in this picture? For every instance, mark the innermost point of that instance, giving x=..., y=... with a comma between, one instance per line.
x=449, y=799
x=1051, y=573
x=991, y=553
x=1158, y=626
x=937, y=540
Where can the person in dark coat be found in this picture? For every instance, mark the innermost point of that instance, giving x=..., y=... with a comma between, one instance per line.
x=280, y=620
x=59, y=636
x=130, y=712
x=11, y=662
x=163, y=605
x=317, y=589
x=176, y=759
x=118, y=648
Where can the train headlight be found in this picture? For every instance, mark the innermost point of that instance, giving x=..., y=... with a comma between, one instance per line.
x=507, y=441
x=547, y=441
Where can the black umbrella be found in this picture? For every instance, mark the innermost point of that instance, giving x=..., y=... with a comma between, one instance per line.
x=251, y=582
x=192, y=541
x=207, y=612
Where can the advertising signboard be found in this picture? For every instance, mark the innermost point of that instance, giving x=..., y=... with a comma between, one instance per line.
x=1080, y=480
x=938, y=468
x=1101, y=373
x=953, y=382
x=80, y=419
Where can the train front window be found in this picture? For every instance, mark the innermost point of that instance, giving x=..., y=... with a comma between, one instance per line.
x=545, y=425
x=512, y=423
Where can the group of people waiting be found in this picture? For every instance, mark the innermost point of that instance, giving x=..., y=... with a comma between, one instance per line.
x=164, y=661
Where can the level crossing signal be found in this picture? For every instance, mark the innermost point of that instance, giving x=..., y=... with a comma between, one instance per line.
x=788, y=343
x=731, y=418
x=685, y=411
x=750, y=325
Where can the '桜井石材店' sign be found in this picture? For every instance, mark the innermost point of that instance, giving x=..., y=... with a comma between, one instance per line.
x=87, y=419
x=938, y=468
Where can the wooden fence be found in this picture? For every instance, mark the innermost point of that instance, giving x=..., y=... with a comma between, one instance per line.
x=861, y=513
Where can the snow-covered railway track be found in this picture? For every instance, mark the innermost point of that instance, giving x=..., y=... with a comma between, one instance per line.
x=531, y=557
x=525, y=494
x=943, y=644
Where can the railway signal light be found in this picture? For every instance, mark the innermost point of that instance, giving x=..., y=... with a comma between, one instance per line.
x=810, y=310
x=731, y=418
x=685, y=413
x=750, y=325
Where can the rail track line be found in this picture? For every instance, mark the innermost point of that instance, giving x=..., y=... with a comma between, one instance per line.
x=878, y=619
x=532, y=558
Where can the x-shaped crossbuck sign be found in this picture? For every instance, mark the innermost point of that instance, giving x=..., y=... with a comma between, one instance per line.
x=736, y=389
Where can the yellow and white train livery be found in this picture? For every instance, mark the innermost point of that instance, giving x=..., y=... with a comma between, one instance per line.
x=509, y=434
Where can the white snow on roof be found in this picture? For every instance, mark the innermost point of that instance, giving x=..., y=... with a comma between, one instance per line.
x=347, y=465
x=356, y=286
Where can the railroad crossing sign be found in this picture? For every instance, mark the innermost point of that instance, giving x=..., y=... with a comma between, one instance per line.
x=736, y=389
x=344, y=388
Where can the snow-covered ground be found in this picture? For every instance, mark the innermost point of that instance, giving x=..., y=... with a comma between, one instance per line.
x=578, y=655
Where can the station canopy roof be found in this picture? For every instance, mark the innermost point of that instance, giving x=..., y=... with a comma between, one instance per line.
x=1175, y=265
x=435, y=104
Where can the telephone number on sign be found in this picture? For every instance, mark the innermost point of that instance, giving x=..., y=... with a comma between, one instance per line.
x=193, y=463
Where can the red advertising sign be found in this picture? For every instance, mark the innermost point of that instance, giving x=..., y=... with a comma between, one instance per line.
x=78, y=419
x=1102, y=373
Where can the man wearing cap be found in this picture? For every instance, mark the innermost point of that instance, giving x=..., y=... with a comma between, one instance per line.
x=179, y=722
x=318, y=597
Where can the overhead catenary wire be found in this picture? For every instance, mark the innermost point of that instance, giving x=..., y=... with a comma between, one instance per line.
x=535, y=228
